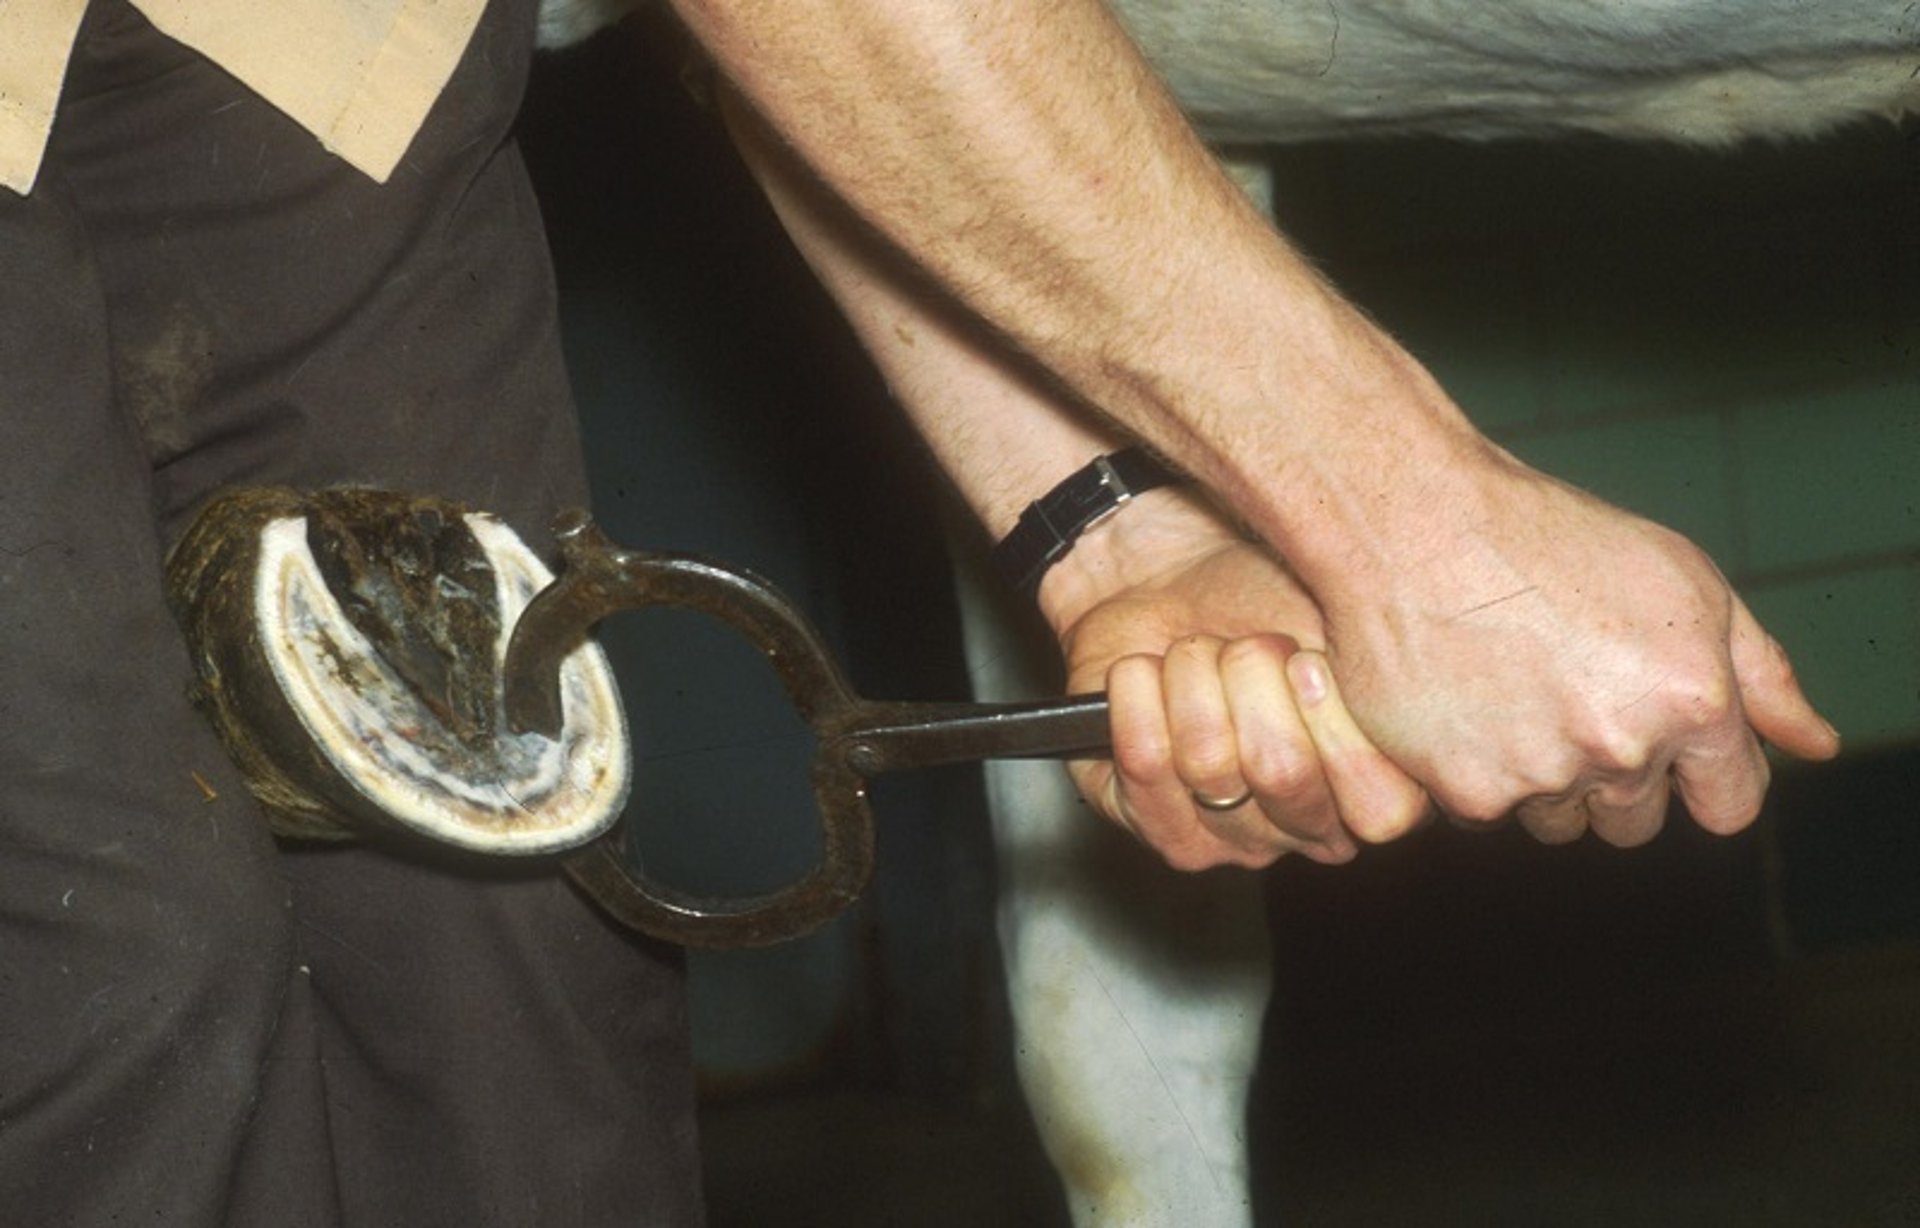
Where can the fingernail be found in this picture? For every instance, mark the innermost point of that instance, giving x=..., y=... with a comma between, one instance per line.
x=1308, y=672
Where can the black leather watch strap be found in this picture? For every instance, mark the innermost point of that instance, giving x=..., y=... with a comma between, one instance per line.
x=1052, y=523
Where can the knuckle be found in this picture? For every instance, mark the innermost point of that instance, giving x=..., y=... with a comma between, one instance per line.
x=1142, y=756
x=1389, y=822
x=1253, y=649
x=1613, y=748
x=1728, y=818
x=1195, y=649
x=1331, y=856
x=1199, y=851
x=1549, y=818
x=1627, y=836
x=1259, y=858
x=1769, y=664
x=1687, y=698
x=1480, y=805
x=1283, y=773
x=1553, y=826
x=1210, y=770
x=1247, y=844
x=1701, y=699
x=1733, y=812
x=1374, y=830
x=1208, y=756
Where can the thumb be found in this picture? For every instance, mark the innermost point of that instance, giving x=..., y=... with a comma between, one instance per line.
x=1775, y=705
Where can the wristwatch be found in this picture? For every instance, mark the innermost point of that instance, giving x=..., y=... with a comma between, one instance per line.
x=1053, y=522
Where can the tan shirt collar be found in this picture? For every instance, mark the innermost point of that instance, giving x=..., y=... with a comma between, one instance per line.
x=358, y=74
x=36, y=36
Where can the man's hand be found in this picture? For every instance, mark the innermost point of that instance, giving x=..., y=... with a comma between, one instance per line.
x=1212, y=658
x=1569, y=662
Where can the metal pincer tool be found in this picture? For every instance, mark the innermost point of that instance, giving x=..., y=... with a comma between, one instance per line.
x=858, y=738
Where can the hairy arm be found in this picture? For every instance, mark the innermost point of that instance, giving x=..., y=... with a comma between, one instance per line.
x=1025, y=157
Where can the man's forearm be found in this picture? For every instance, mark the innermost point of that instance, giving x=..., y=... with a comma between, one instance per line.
x=1024, y=156
x=1001, y=433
